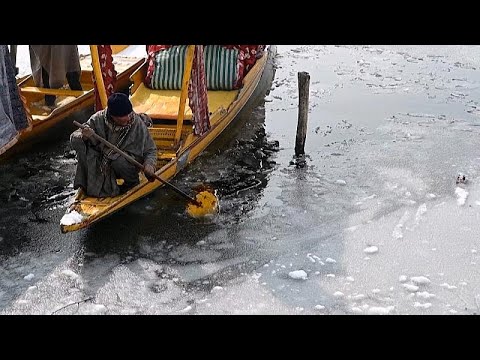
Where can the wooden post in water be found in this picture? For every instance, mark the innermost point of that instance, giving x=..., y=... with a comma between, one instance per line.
x=303, y=95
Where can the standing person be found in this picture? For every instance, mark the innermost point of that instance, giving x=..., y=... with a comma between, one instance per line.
x=98, y=166
x=52, y=64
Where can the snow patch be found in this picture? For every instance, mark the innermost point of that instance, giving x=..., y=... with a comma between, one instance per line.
x=71, y=218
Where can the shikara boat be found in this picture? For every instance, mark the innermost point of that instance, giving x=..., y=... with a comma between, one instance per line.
x=173, y=131
x=68, y=101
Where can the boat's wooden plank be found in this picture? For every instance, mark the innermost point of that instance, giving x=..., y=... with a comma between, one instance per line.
x=56, y=92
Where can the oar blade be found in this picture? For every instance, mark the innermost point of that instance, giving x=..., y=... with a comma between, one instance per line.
x=207, y=205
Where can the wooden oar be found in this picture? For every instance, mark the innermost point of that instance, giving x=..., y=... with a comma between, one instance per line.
x=140, y=166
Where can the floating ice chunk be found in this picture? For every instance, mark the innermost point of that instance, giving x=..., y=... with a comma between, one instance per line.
x=298, y=275
x=425, y=295
x=449, y=287
x=330, y=260
x=349, y=278
x=378, y=310
x=423, y=306
x=29, y=277
x=410, y=287
x=370, y=250
x=70, y=274
x=338, y=294
x=71, y=218
x=319, y=307
x=185, y=310
x=420, y=280
x=461, y=195
x=402, y=278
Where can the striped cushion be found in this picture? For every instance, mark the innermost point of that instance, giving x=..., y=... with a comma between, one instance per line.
x=221, y=67
x=168, y=71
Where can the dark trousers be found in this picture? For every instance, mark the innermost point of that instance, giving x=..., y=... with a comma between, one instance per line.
x=73, y=79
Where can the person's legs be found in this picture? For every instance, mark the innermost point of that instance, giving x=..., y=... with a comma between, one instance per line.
x=126, y=171
x=73, y=78
x=49, y=99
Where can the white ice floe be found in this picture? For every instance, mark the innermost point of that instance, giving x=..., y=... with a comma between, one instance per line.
x=330, y=260
x=425, y=295
x=370, y=250
x=185, y=310
x=378, y=310
x=422, y=209
x=349, y=278
x=319, y=307
x=431, y=196
x=71, y=218
x=330, y=275
x=217, y=288
x=449, y=287
x=338, y=294
x=461, y=195
x=29, y=277
x=410, y=287
x=402, y=278
x=359, y=297
x=420, y=280
x=422, y=305
x=341, y=182
x=298, y=275
x=70, y=274
x=309, y=256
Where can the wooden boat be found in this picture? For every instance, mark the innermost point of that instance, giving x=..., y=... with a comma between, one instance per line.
x=68, y=101
x=172, y=131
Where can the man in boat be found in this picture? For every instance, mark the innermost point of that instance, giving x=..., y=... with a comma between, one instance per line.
x=52, y=64
x=98, y=166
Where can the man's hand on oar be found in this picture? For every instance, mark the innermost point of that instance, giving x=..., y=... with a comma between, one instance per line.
x=87, y=132
x=149, y=171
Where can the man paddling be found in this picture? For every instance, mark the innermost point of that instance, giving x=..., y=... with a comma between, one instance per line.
x=98, y=166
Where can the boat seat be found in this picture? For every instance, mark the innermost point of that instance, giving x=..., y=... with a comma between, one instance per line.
x=164, y=104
